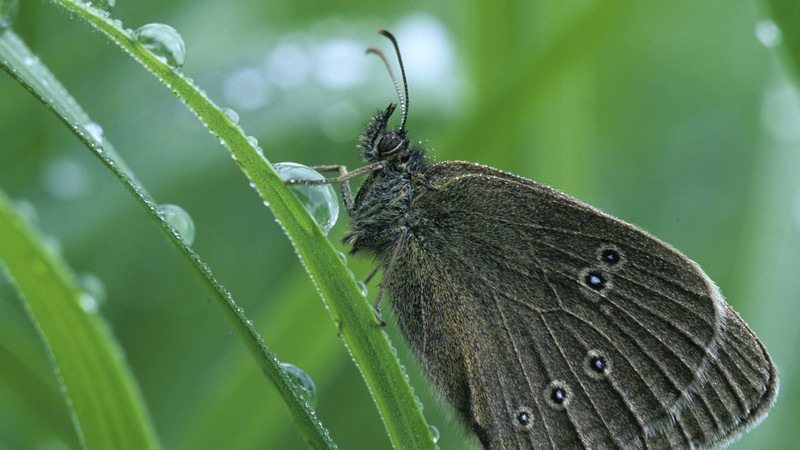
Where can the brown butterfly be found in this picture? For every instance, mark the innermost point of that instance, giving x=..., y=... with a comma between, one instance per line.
x=545, y=322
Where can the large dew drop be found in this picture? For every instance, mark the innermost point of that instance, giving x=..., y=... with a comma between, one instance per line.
x=163, y=42
x=180, y=220
x=104, y=6
x=302, y=380
x=319, y=200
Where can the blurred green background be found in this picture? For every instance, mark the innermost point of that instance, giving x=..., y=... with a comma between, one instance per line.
x=677, y=116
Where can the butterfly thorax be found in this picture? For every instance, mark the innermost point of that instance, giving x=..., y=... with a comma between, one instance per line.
x=382, y=208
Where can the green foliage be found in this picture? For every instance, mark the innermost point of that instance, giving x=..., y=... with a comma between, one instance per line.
x=106, y=407
x=671, y=116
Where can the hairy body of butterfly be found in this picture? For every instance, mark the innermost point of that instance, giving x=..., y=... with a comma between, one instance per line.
x=545, y=322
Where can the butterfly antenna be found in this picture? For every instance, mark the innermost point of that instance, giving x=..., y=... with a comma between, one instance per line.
x=402, y=95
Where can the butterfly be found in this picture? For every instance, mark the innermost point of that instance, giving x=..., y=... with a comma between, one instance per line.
x=543, y=321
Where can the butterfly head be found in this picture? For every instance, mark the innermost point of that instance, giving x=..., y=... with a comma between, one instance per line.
x=391, y=146
x=378, y=143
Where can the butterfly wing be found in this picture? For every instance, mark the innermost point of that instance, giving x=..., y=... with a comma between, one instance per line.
x=549, y=324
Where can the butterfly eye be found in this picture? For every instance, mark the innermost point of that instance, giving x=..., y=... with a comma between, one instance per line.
x=377, y=144
x=388, y=143
x=523, y=418
x=557, y=394
x=596, y=364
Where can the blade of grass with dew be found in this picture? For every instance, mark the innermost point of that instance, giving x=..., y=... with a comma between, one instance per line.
x=368, y=346
x=107, y=408
x=21, y=64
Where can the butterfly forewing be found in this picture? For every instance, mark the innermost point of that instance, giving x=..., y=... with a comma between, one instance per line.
x=611, y=339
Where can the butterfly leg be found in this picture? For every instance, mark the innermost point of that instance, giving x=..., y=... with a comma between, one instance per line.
x=343, y=179
x=389, y=271
x=371, y=274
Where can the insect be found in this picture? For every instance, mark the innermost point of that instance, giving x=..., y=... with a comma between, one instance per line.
x=545, y=322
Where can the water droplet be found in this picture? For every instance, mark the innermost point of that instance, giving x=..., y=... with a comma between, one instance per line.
x=434, y=433
x=95, y=131
x=232, y=115
x=93, y=286
x=88, y=303
x=8, y=13
x=768, y=33
x=342, y=256
x=104, y=6
x=319, y=200
x=252, y=140
x=163, y=42
x=302, y=380
x=180, y=220
x=363, y=288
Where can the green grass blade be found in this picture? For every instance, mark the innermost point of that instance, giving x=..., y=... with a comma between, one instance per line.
x=366, y=342
x=21, y=64
x=786, y=14
x=107, y=408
